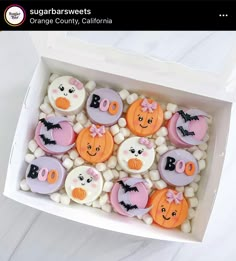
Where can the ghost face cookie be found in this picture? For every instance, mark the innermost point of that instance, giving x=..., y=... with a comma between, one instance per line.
x=136, y=155
x=67, y=95
x=84, y=184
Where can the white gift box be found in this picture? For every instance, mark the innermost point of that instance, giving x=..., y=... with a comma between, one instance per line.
x=168, y=81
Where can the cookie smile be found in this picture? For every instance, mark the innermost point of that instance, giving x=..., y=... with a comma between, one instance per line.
x=91, y=154
x=165, y=217
x=144, y=127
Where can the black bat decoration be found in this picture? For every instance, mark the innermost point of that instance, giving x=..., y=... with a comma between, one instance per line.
x=186, y=132
x=187, y=117
x=47, y=141
x=50, y=125
x=126, y=187
x=128, y=206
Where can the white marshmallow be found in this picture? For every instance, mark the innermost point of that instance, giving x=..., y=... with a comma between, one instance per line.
x=171, y=107
x=186, y=227
x=46, y=108
x=73, y=154
x=137, y=176
x=194, y=185
x=193, y=202
x=197, y=154
x=24, y=186
x=147, y=219
x=204, y=155
x=188, y=192
x=124, y=94
x=122, y=122
x=162, y=132
x=71, y=118
x=96, y=204
x=123, y=174
x=160, y=140
x=42, y=115
x=29, y=157
x=90, y=86
x=154, y=175
x=65, y=156
x=103, y=199
x=58, y=156
x=148, y=183
x=192, y=149
x=53, y=77
x=160, y=184
x=81, y=118
x=191, y=213
x=114, y=129
x=108, y=175
x=132, y=98
x=101, y=166
x=162, y=149
x=55, y=197
x=179, y=189
x=46, y=100
x=65, y=200
x=118, y=138
x=111, y=163
x=202, y=164
x=87, y=124
x=107, y=208
x=115, y=173
x=206, y=138
x=78, y=161
x=167, y=115
x=125, y=132
x=67, y=163
x=32, y=146
x=39, y=152
x=125, y=107
x=197, y=178
x=118, y=167
x=203, y=146
x=107, y=186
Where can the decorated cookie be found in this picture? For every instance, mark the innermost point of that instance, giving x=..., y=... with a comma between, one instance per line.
x=187, y=128
x=67, y=95
x=55, y=135
x=136, y=155
x=84, y=184
x=95, y=144
x=178, y=167
x=169, y=208
x=104, y=107
x=144, y=117
x=45, y=175
x=129, y=197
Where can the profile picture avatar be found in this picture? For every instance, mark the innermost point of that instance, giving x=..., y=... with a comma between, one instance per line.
x=14, y=15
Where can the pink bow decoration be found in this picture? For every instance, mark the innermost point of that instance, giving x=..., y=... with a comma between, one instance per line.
x=146, y=106
x=146, y=142
x=97, y=131
x=93, y=173
x=79, y=85
x=171, y=196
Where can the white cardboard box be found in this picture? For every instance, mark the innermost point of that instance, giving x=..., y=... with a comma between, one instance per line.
x=170, y=82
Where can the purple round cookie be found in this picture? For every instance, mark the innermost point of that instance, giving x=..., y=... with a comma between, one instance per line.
x=104, y=107
x=178, y=167
x=45, y=175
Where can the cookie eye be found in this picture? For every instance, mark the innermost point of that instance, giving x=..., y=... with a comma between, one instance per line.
x=89, y=180
x=61, y=87
x=140, y=151
x=132, y=150
x=71, y=90
x=140, y=118
x=173, y=214
x=98, y=148
x=89, y=147
x=163, y=210
x=149, y=121
x=81, y=177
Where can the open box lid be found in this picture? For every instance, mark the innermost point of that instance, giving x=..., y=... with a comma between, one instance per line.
x=165, y=58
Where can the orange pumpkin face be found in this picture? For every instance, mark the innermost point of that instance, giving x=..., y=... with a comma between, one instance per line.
x=169, y=208
x=94, y=144
x=144, y=117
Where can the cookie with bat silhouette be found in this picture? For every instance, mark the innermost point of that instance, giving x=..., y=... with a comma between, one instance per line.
x=129, y=197
x=55, y=135
x=187, y=128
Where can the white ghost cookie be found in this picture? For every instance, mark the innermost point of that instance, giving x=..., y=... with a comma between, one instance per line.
x=84, y=184
x=67, y=95
x=136, y=155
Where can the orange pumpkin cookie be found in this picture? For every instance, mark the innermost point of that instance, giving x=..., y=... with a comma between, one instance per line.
x=144, y=117
x=169, y=208
x=94, y=144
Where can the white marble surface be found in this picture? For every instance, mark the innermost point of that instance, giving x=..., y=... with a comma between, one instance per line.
x=27, y=234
